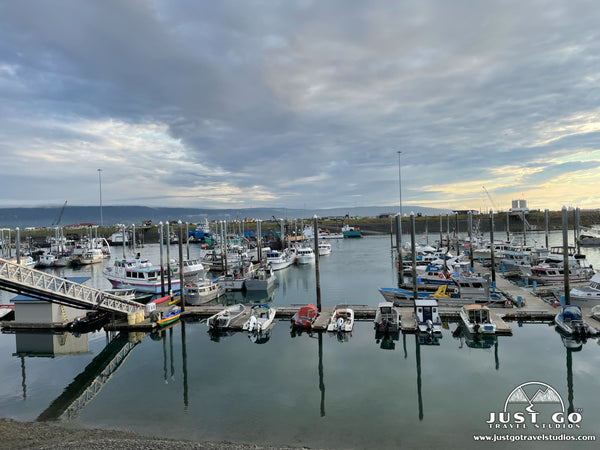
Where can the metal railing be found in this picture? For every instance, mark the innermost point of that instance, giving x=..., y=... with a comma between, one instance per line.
x=37, y=284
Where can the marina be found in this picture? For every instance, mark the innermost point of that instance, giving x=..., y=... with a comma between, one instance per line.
x=174, y=360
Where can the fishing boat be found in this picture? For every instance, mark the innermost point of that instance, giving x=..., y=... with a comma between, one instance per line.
x=304, y=255
x=587, y=295
x=305, y=316
x=261, y=318
x=477, y=320
x=90, y=256
x=222, y=320
x=570, y=321
x=427, y=316
x=464, y=289
x=387, y=318
x=351, y=232
x=202, y=291
x=324, y=248
x=139, y=274
x=280, y=260
x=555, y=273
x=589, y=236
x=260, y=279
x=342, y=320
x=170, y=317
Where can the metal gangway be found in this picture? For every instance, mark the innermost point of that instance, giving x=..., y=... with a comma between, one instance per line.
x=90, y=382
x=44, y=286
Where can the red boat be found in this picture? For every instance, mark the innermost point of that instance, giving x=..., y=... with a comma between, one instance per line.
x=305, y=316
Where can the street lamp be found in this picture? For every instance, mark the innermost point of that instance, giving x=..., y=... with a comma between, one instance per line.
x=100, y=182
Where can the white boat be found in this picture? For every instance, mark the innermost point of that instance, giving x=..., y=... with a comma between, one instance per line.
x=192, y=268
x=477, y=320
x=589, y=236
x=387, y=318
x=570, y=321
x=427, y=316
x=202, y=291
x=90, y=256
x=260, y=279
x=222, y=320
x=304, y=255
x=341, y=320
x=552, y=274
x=280, y=260
x=140, y=274
x=231, y=282
x=587, y=295
x=324, y=248
x=261, y=318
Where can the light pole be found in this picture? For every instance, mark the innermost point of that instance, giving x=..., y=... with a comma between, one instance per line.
x=400, y=195
x=100, y=182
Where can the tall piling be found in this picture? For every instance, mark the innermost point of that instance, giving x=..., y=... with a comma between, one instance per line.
x=492, y=247
x=317, y=273
x=162, y=263
x=181, y=277
x=566, y=255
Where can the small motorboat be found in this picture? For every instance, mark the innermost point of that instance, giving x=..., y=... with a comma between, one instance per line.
x=261, y=318
x=428, y=316
x=305, y=316
x=476, y=319
x=222, y=319
x=387, y=318
x=570, y=321
x=170, y=317
x=341, y=320
x=92, y=321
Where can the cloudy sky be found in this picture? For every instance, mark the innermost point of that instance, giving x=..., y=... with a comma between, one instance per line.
x=300, y=104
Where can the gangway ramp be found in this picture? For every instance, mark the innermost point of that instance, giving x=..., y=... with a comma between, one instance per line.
x=44, y=286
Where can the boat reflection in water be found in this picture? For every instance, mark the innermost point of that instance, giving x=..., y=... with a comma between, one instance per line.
x=260, y=337
x=386, y=339
x=477, y=341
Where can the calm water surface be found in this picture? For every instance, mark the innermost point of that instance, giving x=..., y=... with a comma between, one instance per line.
x=310, y=390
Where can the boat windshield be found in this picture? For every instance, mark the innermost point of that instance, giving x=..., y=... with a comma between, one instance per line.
x=572, y=313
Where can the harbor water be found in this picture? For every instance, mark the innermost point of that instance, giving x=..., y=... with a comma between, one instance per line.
x=315, y=390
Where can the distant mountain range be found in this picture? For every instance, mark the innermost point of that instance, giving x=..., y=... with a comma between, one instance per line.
x=111, y=215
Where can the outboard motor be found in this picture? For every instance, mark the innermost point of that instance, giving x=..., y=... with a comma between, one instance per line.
x=429, y=326
x=340, y=323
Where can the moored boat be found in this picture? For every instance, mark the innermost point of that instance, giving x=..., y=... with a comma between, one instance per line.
x=305, y=316
x=222, y=320
x=387, y=318
x=351, y=232
x=202, y=291
x=139, y=274
x=261, y=318
x=427, y=316
x=587, y=295
x=324, y=248
x=170, y=317
x=342, y=320
x=570, y=321
x=477, y=320
x=280, y=260
x=304, y=255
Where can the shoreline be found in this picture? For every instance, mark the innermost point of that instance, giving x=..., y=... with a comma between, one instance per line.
x=58, y=436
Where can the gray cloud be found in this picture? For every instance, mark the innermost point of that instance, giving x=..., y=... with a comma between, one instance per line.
x=295, y=102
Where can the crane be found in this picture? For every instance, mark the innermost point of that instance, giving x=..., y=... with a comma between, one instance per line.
x=490, y=197
x=57, y=222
